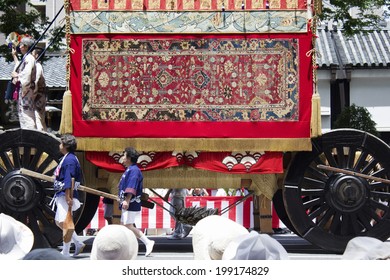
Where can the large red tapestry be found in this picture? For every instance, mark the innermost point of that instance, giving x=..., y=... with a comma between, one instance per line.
x=201, y=80
x=253, y=86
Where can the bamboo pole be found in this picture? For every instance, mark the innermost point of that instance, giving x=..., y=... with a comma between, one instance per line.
x=353, y=173
x=81, y=188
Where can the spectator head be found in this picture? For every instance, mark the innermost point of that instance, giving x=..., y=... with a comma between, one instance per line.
x=16, y=239
x=366, y=248
x=37, y=53
x=212, y=234
x=254, y=246
x=114, y=242
x=46, y=254
x=26, y=43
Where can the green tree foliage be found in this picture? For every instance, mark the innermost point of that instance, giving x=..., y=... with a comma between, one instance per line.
x=356, y=117
x=367, y=19
x=31, y=23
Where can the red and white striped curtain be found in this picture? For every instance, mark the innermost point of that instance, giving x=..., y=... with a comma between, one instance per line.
x=160, y=218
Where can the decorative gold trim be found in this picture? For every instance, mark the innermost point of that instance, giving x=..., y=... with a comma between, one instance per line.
x=177, y=177
x=191, y=144
x=315, y=125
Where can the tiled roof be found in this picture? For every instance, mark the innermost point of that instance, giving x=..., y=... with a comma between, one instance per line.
x=54, y=70
x=360, y=50
x=370, y=50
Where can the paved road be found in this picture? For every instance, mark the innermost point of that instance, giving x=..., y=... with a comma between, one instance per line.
x=165, y=249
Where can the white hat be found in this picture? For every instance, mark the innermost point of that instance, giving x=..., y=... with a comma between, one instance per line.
x=212, y=234
x=254, y=246
x=366, y=248
x=16, y=239
x=114, y=242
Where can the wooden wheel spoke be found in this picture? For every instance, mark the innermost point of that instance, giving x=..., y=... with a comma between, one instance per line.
x=35, y=160
x=312, y=192
x=351, y=157
x=372, y=213
x=50, y=172
x=330, y=158
x=6, y=160
x=336, y=221
x=16, y=157
x=361, y=161
x=311, y=203
x=3, y=172
x=364, y=219
x=346, y=220
x=313, y=183
x=355, y=223
x=382, y=195
x=379, y=205
x=316, y=173
x=369, y=166
x=340, y=156
x=378, y=185
x=318, y=161
x=317, y=212
x=26, y=157
x=380, y=173
x=47, y=208
x=42, y=167
x=326, y=218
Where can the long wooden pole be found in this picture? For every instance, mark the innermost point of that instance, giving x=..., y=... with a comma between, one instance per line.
x=353, y=173
x=81, y=188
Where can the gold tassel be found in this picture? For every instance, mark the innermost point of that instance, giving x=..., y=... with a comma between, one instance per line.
x=315, y=125
x=66, y=116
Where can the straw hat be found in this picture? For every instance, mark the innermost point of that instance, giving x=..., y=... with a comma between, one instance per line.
x=114, y=242
x=255, y=246
x=16, y=239
x=366, y=248
x=212, y=234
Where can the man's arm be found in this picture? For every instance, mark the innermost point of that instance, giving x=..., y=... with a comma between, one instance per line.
x=126, y=202
x=166, y=196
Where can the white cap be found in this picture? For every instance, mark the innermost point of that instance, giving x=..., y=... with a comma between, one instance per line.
x=16, y=239
x=255, y=246
x=212, y=234
x=114, y=242
x=366, y=248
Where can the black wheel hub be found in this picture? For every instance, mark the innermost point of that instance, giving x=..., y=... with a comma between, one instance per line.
x=347, y=193
x=18, y=193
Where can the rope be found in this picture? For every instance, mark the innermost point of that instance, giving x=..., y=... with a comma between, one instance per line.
x=67, y=38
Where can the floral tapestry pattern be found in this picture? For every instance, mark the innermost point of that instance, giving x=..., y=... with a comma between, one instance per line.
x=208, y=80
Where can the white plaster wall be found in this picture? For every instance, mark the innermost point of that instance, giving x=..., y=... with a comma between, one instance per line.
x=323, y=78
x=371, y=89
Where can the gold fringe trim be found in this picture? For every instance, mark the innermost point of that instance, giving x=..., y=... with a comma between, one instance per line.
x=193, y=144
x=315, y=125
x=188, y=177
x=66, y=125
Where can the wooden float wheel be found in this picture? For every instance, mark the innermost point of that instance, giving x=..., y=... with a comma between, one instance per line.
x=330, y=208
x=27, y=199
